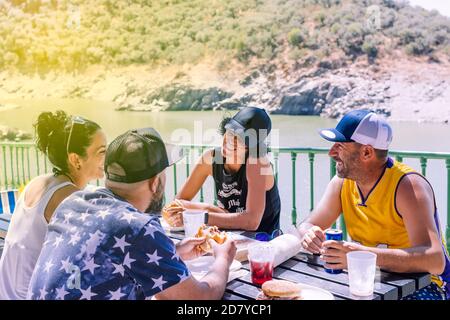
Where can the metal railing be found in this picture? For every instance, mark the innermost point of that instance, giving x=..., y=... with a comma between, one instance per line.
x=22, y=161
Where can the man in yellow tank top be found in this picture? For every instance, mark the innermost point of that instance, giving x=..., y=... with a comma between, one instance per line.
x=389, y=209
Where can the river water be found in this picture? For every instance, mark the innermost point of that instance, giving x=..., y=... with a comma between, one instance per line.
x=288, y=131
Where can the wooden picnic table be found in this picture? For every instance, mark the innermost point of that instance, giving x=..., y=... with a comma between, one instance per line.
x=308, y=269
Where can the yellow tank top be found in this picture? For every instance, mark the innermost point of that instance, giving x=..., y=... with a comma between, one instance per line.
x=374, y=221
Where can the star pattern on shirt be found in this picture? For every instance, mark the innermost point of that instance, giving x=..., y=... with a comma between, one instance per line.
x=154, y=258
x=159, y=283
x=60, y=293
x=121, y=243
x=73, y=229
x=128, y=216
x=116, y=295
x=127, y=261
x=84, y=216
x=67, y=217
x=183, y=276
x=74, y=238
x=90, y=265
x=43, y=293
x=58, y=240
x=87, y=294
x=150, y=230
x=66, y=265
x=48, y=266
x=103, y=214
x=176, y=257
x=118, y=268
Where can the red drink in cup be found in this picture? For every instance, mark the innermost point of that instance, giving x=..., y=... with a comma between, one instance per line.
x=261, y=258
x=261, y=272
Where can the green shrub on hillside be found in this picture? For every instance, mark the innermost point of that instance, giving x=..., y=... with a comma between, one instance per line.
x=295, y=37
x=369, y=47
x=351, y=39
x=320, y=19
x=418, y=47
x=39, y=35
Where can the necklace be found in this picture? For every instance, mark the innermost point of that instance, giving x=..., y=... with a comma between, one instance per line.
x=68, y=176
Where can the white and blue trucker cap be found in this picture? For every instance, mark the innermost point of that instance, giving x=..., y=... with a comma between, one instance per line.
x=362, y=126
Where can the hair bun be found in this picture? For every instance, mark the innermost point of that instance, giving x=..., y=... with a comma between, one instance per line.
x=49, y=128
x=52, y=131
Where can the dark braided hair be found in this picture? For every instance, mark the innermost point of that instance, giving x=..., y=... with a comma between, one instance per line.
x=52, y=131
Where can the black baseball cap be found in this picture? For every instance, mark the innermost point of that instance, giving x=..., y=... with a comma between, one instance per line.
x=138, y=155
x=251, y=121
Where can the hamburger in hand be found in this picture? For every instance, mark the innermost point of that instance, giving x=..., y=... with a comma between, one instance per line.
x=171, y=211
x=212, y=233
x=280, y=290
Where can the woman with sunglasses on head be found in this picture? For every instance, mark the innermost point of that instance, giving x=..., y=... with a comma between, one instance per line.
x=76, y=149
x=247, y=195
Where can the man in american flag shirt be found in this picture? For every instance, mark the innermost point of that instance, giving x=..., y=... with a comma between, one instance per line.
x=106, y=244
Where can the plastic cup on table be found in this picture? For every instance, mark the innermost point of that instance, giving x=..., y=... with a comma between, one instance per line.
x=361, y=266
x=261, y=258
x=192, y=221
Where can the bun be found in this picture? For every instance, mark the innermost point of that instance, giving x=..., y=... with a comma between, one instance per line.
x=50, y=130
x=280, y=289
x=212, y=233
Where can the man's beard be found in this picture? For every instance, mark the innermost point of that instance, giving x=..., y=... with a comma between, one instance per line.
x=349, y=169
x=157, y=202
x=342, y=171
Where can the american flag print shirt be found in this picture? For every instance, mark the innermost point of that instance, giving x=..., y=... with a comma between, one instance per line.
x=99, y=246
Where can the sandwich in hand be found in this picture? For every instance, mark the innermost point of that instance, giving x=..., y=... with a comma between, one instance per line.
x=212, y=233
x=280, y=290
x=169, y=213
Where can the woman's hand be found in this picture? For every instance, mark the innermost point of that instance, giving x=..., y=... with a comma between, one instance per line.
x=173, y=213
x=192, y=205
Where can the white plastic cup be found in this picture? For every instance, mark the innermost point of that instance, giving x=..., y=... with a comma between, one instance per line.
x=192, y=221
x=361, y=267
x=261, y=259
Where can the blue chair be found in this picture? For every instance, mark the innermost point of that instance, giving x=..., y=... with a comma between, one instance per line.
x=7, y=205
x=8, y=201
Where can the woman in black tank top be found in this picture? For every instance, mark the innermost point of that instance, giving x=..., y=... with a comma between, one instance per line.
x=247, y=195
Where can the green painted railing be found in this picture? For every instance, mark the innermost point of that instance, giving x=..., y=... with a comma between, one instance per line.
x=21, y=162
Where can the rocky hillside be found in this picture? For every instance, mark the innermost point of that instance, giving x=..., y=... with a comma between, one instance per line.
x=296, y=57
